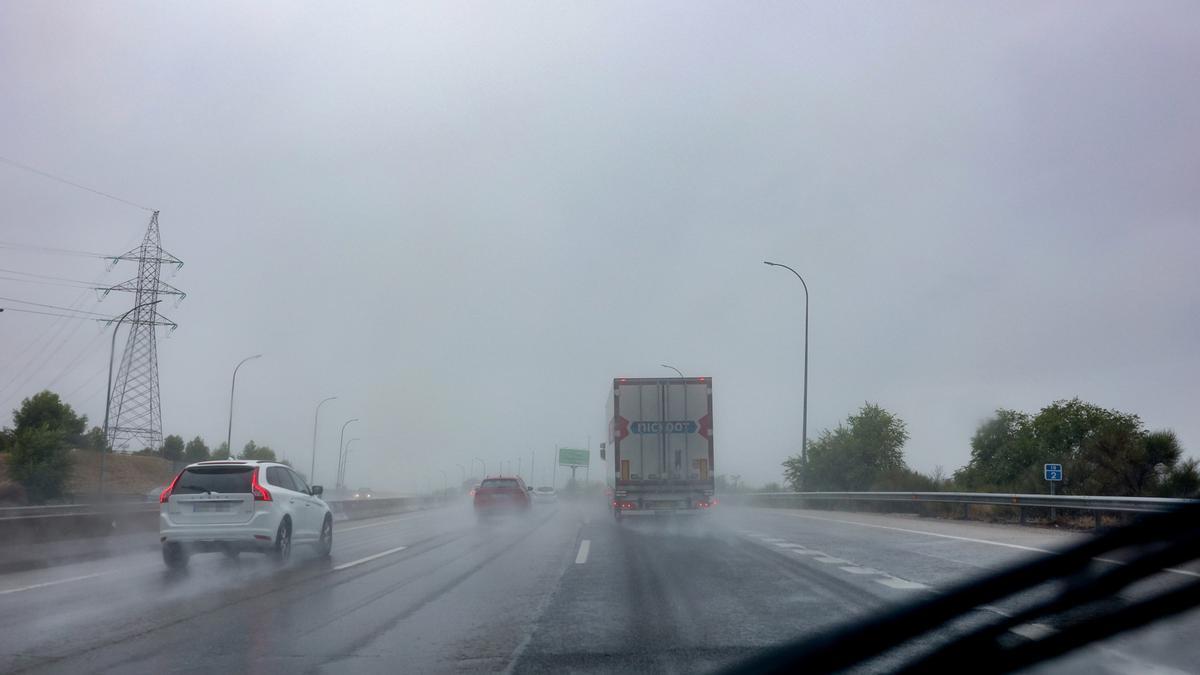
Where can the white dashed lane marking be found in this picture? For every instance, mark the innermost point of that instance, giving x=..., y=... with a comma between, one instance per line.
x=846, y=566
x=51, y=583
x=369, y=558
x=902, y=584
x=584, y=547
x=1033, y=631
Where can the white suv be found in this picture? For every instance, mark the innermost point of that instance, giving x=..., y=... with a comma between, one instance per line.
x=241, y=505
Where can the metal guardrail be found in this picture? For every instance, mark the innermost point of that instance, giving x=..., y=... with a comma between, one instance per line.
x=1136, y=504
x=1095, y=505
x=350, y=508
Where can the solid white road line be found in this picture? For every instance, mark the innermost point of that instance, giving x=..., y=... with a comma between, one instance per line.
x=368, y=558
x=51, y=583
x=830, y=560
x=790, y=546
x=989, y=542
x=584, y=547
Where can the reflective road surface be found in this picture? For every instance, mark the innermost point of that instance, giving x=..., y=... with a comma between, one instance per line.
x=563, y=590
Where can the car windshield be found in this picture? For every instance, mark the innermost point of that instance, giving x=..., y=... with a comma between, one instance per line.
x=669, y=334
x=221, y=479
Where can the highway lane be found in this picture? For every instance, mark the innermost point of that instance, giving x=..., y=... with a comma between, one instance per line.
x=565, y=590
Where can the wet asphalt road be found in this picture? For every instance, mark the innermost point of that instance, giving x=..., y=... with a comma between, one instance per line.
x=563, y=590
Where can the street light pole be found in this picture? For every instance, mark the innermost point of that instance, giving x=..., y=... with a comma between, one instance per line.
x=341, y=447
x=464, y=471
x=484, y=465
x=112, y=350
x=312, y=467
x=345, y=462
x=232, y=385
x=804, y=423
x=672, y=368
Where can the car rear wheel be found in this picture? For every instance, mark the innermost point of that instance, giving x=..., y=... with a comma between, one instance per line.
x=325, y=545
x=174, y=556
x=283, y=543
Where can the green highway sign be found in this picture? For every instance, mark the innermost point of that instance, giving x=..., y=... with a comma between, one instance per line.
x=571, y=457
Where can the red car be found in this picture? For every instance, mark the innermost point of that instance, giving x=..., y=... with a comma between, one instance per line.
x=501, y=494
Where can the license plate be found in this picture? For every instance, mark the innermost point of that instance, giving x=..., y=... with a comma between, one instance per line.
x=216, y=507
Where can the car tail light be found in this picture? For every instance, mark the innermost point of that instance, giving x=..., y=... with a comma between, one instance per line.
x=166, y=494
x=261, y=494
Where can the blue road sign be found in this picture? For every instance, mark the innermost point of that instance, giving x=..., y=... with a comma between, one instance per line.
x=1054, y=472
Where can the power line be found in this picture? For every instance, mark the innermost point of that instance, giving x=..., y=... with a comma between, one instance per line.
x=65, y=316
x=88, y=348
x=60, y=284
x=71, y=183
x=50, y=249
x=89, y=380
x=51, y=277
x=58, y=348
x=44, y=338
x=67, y=309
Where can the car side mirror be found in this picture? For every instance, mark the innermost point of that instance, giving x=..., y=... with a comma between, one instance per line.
x=316, y=490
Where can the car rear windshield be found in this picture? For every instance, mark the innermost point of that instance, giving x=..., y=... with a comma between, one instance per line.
x=504, y=483
x=224, y=479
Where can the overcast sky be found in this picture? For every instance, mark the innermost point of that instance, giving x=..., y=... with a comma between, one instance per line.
x=466, y=219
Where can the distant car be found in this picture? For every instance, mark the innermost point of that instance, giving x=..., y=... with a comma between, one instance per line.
x=363, y=493
x=241, y=505
x=544, y=495
x=501, y=495
x=473, y=489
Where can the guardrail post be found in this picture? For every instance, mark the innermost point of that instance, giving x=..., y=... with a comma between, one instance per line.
x=966, y=511
x=1096, y=517
x=1021, y=514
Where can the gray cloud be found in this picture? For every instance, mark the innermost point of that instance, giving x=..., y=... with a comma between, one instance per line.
x=465, y=219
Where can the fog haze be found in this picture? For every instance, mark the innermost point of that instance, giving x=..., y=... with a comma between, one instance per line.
x=464, y=219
